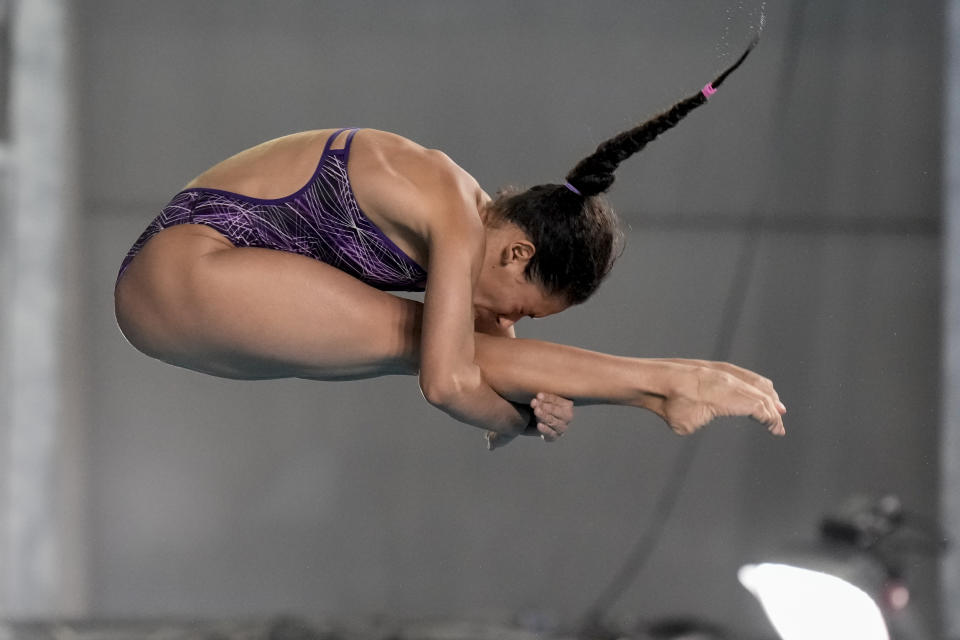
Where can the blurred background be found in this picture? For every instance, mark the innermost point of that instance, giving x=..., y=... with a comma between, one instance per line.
x=797, y=225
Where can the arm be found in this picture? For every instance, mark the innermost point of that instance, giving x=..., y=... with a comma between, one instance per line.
x=438, y=203
x=552, y=413
x=450, y=378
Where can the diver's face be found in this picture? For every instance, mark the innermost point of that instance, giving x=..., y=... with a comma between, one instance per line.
x=513, y=300
x=503, y=294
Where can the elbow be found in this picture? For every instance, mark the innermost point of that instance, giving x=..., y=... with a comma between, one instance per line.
x=437, y=394
x=445, y=389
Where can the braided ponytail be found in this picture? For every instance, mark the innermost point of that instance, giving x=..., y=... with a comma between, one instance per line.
x=575, y=230
x=594, y=174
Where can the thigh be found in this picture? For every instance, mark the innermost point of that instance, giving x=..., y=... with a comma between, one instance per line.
x=193, y=299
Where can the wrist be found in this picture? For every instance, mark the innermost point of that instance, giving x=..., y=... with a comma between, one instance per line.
x=530, y=429
x=519, y=422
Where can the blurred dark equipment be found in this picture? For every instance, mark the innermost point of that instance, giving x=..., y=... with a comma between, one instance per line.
x=851, y=582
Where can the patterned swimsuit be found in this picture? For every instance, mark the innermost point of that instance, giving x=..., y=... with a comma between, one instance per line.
x=322, y=220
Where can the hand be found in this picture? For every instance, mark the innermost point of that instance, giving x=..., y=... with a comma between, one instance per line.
x=706, y=390
x=552, y=415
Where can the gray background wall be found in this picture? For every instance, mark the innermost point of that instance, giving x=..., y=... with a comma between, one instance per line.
x=215, y=497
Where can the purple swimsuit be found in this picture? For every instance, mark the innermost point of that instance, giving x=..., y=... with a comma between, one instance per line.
x=321, y=220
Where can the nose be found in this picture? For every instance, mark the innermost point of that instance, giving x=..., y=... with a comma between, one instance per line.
x=506, y=321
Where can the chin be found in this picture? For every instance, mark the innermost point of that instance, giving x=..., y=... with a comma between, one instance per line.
x=483, y=318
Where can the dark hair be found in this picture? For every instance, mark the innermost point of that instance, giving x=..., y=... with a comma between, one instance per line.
x=573, y=227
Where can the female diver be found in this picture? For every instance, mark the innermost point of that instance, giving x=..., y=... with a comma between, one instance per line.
x=276, y=262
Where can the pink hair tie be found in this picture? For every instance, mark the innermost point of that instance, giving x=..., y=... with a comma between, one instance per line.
x=708, y=90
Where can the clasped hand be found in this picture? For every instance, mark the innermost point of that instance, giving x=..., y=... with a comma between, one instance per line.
x=550, y=420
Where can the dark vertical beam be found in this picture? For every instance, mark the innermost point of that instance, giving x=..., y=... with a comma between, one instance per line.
x=950, y=447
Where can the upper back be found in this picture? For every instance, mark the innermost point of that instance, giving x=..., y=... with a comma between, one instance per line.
x=399, y=184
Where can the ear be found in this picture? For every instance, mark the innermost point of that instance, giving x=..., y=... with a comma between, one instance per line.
x=522, y=251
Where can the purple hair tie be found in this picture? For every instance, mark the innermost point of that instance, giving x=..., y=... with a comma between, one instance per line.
x=572, y=188
x=708, y=90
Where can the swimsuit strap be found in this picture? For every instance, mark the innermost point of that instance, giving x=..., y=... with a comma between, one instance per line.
x=345, y=150
x=346, y=146
x=333, y=136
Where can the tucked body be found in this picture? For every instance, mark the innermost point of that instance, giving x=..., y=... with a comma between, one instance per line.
x=278, y=262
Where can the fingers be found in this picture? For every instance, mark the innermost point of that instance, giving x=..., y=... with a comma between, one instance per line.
x=553, y=414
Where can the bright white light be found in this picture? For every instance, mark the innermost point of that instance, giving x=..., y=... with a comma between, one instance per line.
x=810, y=605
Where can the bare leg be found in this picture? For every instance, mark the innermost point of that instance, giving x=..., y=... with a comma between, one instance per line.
x=518, y=368
x=193, y=300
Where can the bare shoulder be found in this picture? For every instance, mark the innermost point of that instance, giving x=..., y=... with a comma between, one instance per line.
x=404, y=181
x=404, y=156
